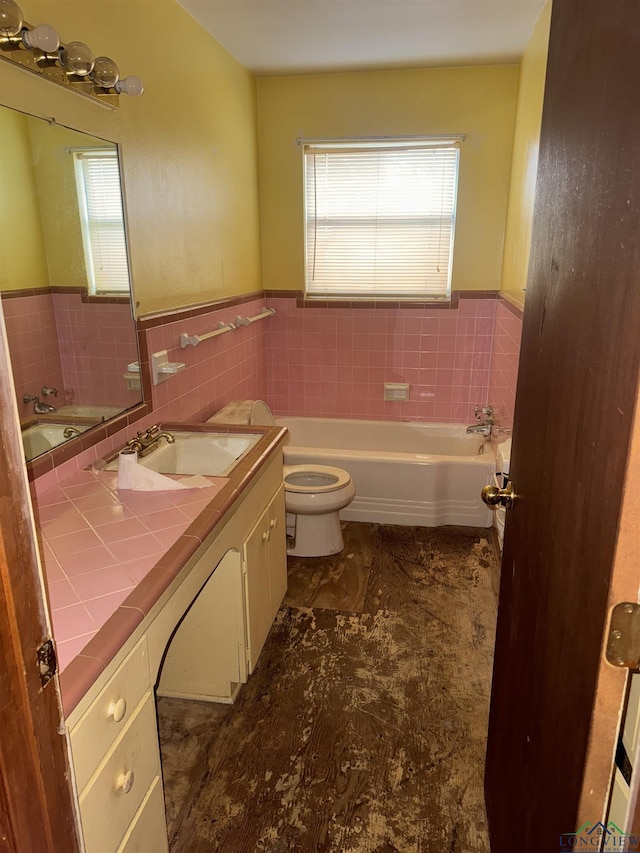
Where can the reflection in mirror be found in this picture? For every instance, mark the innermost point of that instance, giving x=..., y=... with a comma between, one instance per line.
x=64, y=278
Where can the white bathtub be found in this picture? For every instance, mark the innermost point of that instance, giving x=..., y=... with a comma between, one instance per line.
x=404, y=473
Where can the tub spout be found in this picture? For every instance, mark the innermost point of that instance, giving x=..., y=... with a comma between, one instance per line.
x=481, y=428
x=484, y=418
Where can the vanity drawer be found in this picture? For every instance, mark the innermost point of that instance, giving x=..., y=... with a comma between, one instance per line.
x=109, y=713
x=113, y=796
x=148, y=830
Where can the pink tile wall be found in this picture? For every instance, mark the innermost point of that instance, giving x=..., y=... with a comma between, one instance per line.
x=97, y=342
x=228, y=367
x=504, y=363
x=33, y=342
x=334, y=362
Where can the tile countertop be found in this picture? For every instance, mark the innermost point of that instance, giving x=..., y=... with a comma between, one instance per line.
x=99, y=544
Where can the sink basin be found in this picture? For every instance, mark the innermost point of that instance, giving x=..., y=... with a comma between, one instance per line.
x=41, y=437
x=209, y=453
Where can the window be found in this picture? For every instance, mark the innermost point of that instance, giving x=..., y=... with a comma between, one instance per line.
x=100, y=202
x=380, y=218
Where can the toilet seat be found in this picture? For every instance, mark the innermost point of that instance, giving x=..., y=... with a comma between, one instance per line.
x=307, y=479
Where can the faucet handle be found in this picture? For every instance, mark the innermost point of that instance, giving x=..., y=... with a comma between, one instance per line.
x=484, y=413
x=30, y=398
x=48, y=391
x=487, y=414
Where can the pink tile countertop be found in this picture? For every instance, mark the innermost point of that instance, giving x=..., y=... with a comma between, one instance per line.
x=103, y=547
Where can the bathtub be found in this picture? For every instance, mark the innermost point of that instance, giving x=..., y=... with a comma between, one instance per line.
x=404, y=473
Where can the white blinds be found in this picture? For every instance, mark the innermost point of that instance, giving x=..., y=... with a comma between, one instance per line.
x=105, y=249
x=380, y=219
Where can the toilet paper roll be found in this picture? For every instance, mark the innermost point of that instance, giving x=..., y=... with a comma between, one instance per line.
x=127, y=463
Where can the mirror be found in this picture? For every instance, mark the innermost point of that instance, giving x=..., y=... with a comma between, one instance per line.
x=64, y=280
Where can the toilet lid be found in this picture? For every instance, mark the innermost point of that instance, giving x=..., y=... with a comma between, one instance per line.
x=314, y=478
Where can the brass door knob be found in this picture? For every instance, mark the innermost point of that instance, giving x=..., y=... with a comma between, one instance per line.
x=493, y=496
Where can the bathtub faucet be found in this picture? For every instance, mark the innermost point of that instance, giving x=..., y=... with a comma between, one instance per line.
x=38, y=407
x=484, y=423
x=146, y=442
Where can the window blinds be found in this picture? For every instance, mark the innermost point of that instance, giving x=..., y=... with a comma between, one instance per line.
x=105, y=249
x=380, y=219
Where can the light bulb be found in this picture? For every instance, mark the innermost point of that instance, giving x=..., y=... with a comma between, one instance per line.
x=44, y=37
x=10, y=19
x=105, y=72
x=77, y=58
x=130, y=86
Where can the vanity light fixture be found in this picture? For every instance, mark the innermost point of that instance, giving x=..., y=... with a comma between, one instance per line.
x=72, y=64
x=131, y=85
x=77, y=58
x=10, y=19
x=105, y=72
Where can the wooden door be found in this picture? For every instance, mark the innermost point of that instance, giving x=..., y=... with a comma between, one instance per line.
x=36, y=812
x=575, y=405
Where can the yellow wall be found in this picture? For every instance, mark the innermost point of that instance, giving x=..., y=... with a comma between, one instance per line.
x=188, y=144
x=479, y=101
x=56, y=186
x=525, y=160
x=26, y=268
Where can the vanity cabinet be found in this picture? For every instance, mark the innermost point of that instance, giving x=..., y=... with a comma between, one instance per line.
x=117, y=760
x=200, y=640
x=264, y=568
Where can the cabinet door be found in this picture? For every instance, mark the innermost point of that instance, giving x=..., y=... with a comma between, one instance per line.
x=203, y=658
x=257, y=589
x=277, y=551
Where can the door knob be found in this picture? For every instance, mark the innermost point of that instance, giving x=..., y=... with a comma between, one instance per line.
x=493, y=496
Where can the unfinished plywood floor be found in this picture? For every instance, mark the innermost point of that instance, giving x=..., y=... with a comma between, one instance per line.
x=359, y=732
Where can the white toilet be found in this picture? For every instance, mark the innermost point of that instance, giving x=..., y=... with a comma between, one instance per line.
x=314, y=494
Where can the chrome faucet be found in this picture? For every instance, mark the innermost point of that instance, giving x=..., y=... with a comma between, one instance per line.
x=145, y=442
x=38, y=407
x=46, y=392
x=484, y=423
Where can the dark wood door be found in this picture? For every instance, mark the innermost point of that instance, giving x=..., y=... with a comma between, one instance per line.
x=36, y=811
x=575, y=401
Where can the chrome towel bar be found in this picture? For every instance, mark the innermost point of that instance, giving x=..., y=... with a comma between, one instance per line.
x=247, y=321
x=194, y=340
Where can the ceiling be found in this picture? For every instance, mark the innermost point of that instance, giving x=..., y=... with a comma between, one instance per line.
x=310, y=36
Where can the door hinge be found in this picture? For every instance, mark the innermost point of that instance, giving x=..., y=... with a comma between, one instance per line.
x=47, y=661
x=623, y=643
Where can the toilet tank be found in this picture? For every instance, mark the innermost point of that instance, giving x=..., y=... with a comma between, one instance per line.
x=252, y=412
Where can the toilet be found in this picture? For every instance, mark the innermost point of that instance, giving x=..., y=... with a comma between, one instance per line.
x=313, y=494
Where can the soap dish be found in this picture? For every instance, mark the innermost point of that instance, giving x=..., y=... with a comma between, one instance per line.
x=163, y=369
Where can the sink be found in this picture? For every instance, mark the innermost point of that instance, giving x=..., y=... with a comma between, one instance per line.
x=209, y=453
x=41, y=437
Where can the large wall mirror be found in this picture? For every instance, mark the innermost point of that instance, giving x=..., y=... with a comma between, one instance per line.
x=64, y=281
